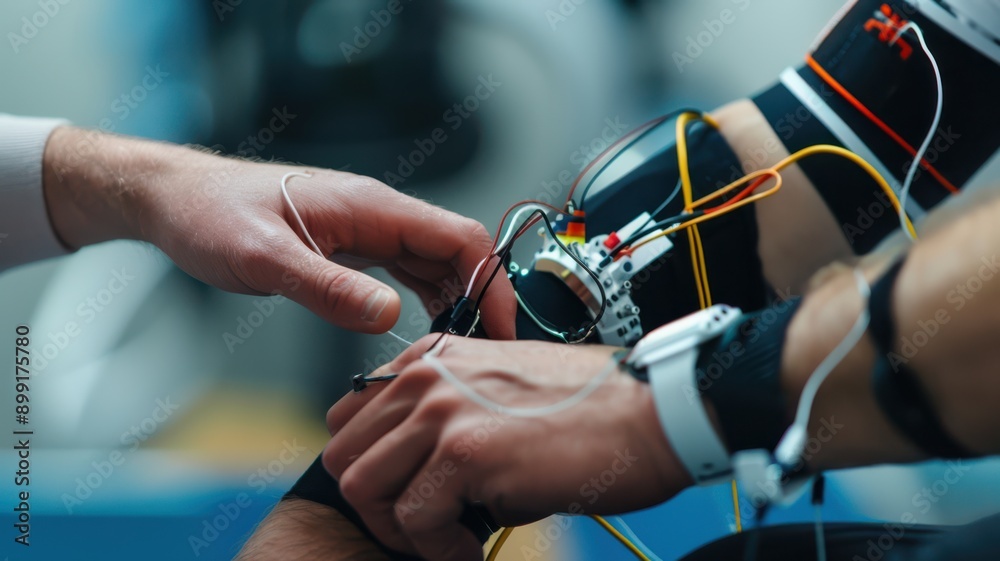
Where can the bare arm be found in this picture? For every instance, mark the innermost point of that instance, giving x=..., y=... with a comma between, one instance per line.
x=949, y=290
x=300, y=530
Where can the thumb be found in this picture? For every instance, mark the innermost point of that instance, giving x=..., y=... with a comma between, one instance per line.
x=340, y=295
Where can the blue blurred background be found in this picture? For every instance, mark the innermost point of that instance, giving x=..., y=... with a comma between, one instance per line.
x=158, y=440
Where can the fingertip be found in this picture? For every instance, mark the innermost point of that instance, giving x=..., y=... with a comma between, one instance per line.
x=380, y=309
x=327, y=458
x=500, y=311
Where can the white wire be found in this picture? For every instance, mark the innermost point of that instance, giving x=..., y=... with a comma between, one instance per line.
x=794, y=440
x=431, y=358
x=400, y=339
x=831, y=361
x=905, y=191
x=624, y=528
x=504, y=240
x=302, y=225
x=820, y=535
x=295, y=212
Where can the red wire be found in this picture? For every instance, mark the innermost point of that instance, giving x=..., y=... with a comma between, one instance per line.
x=741, y=195
x=496, y=237
x=628, y=136
x=833, y=83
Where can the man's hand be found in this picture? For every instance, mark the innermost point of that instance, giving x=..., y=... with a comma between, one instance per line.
x=410, y=455
x=224, y=221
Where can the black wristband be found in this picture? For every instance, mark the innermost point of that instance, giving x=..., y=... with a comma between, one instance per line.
x=739, y=373
x=897, y=388
x=318, y=486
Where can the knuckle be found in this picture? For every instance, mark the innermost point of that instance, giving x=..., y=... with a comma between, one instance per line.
x=440, y=404
x=367, y=185
x=354, y=488
x=333, y=287
x=477, y=233
x=415, y=377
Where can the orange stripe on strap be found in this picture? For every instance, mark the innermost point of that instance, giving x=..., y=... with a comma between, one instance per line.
x=833, y=83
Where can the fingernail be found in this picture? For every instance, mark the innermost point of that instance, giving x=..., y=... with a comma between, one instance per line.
x=375, y=305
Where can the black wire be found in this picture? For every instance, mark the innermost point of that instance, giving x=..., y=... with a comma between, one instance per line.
x=502, y=257
x=593, y=275
x=666, y=222
x=665, y=118
x=548, y=225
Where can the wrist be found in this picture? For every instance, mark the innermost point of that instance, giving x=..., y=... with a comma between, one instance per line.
x=98, y=186
x=300, y=529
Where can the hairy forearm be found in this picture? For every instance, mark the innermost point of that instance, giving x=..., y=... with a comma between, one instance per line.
x=936, y=295
x=300, y=530
x=97, y=186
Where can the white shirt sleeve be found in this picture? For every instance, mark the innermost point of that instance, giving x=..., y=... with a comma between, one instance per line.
x=25, y=231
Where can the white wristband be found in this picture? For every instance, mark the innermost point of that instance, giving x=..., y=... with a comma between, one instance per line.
x=670, y=355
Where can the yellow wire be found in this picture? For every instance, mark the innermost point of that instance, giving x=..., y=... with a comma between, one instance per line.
x=838, y=151
x=495, y=550
x=620, y=537
x=694, y=237
x=774, y=172
x=694, y=240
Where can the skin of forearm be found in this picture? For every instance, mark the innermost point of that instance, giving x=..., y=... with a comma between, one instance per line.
x=97, y=186
x=956, y=365
x=300, y=530
x=797, y=233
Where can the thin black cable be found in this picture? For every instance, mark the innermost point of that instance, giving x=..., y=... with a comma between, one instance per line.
x=665, y=118
x=593, y=275
x=502, y=257
x=548, y=225
x=666, y=222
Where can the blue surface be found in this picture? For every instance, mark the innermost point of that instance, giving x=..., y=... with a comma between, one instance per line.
x=694, y=518
x=151, y=538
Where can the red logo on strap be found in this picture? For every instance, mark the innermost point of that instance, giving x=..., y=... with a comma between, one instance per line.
x=888, y=23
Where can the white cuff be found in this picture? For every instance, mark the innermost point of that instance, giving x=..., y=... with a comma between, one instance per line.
x=25, y=231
